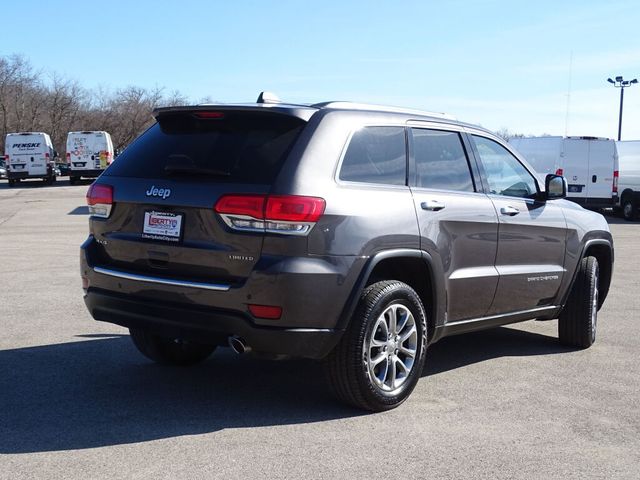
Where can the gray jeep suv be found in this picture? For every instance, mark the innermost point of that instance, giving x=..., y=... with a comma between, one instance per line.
x=351, y=233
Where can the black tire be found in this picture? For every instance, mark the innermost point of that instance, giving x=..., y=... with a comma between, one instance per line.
x=12, y=183
x=73, y=180
x=629, y=209
x=348, y=366
x=169, y=351
x=578, y=321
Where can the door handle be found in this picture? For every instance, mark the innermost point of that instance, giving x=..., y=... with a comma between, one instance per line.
x=432, y=205
x=509, y=210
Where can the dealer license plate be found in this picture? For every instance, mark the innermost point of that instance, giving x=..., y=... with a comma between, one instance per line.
x=162, y=226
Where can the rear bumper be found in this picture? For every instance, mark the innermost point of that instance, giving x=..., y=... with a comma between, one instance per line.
x=207, y=325
x=85, y=173
x=25, y=175
x=212, y=309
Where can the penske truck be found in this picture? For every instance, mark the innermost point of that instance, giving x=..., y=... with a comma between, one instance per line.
x=29, y=155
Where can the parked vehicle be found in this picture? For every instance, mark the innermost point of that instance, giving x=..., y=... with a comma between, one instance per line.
x=3, y=169
x=351, y=233
x=589, y=164
x=88, y=154
x=629, y=181
x=63, y=168
x=29, y=155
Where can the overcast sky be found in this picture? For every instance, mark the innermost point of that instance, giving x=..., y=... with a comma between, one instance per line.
x=499, y=64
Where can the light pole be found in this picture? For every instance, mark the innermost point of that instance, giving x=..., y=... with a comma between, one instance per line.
x=621, y=83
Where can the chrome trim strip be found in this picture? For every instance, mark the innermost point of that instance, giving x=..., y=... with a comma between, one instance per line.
x=162, y=281
x=502, y=315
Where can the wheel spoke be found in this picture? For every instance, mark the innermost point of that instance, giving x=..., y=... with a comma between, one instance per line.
x=392, y=373
x=409, y=352
x=384, y=370
x=406, y=335
x=403, y=318
x=403, y=367
x=392, y=319
x=378, y=358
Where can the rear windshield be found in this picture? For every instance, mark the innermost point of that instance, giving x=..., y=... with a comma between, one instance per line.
x=241, y=147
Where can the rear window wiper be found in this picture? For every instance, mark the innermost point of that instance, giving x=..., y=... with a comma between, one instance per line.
x=191, y=170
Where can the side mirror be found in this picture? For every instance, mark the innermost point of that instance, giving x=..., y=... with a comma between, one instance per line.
x=555, y=187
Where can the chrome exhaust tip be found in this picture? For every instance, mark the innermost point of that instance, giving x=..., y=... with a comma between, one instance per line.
x=238, y=345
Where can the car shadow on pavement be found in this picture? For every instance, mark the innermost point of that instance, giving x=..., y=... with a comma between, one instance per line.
x=100, y=391
x=462, y=350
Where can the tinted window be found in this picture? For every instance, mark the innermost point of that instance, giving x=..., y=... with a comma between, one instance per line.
x=242, y=147
x=505, y=174
x=376, y=155
x=441, y=161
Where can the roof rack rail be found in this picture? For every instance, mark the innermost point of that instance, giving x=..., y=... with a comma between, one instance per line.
x=380, y=108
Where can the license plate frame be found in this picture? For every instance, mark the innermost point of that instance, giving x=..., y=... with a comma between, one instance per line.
x=163, y=226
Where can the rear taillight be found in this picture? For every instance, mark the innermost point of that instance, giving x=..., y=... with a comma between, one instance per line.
x=68, y=158
x=100, y=200
x=267, y=312
x=6, y=159
x=559, y=172
x=285, y=214
x=616, y=174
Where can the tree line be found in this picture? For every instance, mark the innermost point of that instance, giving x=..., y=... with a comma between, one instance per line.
x=36, y=102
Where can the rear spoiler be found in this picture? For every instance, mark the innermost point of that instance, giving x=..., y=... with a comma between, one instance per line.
x=298, y=111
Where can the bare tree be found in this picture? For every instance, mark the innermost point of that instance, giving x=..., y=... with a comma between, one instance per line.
x=57, y=105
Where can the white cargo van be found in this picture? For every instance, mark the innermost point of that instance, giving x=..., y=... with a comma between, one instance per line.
x=88, y=154
x=590, y=165
x=629, y=180
x=29, y=155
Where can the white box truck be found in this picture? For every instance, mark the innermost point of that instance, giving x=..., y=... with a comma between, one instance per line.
x=590, y=165
x=29, y=155
x=629, y=179
x=88, y=154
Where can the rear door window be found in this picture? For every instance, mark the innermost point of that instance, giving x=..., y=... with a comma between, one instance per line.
x=237, y=147
x=441, y=160
x=376, y=155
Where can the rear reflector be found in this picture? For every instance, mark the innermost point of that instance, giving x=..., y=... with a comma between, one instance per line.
x=100, y=200
x=616, y=174
x=266, y=311
x=285, y=214
x=209, y=115
x=559, y=172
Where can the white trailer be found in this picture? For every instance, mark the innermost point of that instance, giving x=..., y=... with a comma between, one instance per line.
x=88, y=154
x=29, y=155
x=590, y=165
x=629, y=180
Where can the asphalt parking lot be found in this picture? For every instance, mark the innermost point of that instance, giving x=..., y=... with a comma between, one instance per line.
x=78, y=401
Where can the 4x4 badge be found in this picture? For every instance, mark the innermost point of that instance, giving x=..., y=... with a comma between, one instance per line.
x=158, y=192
